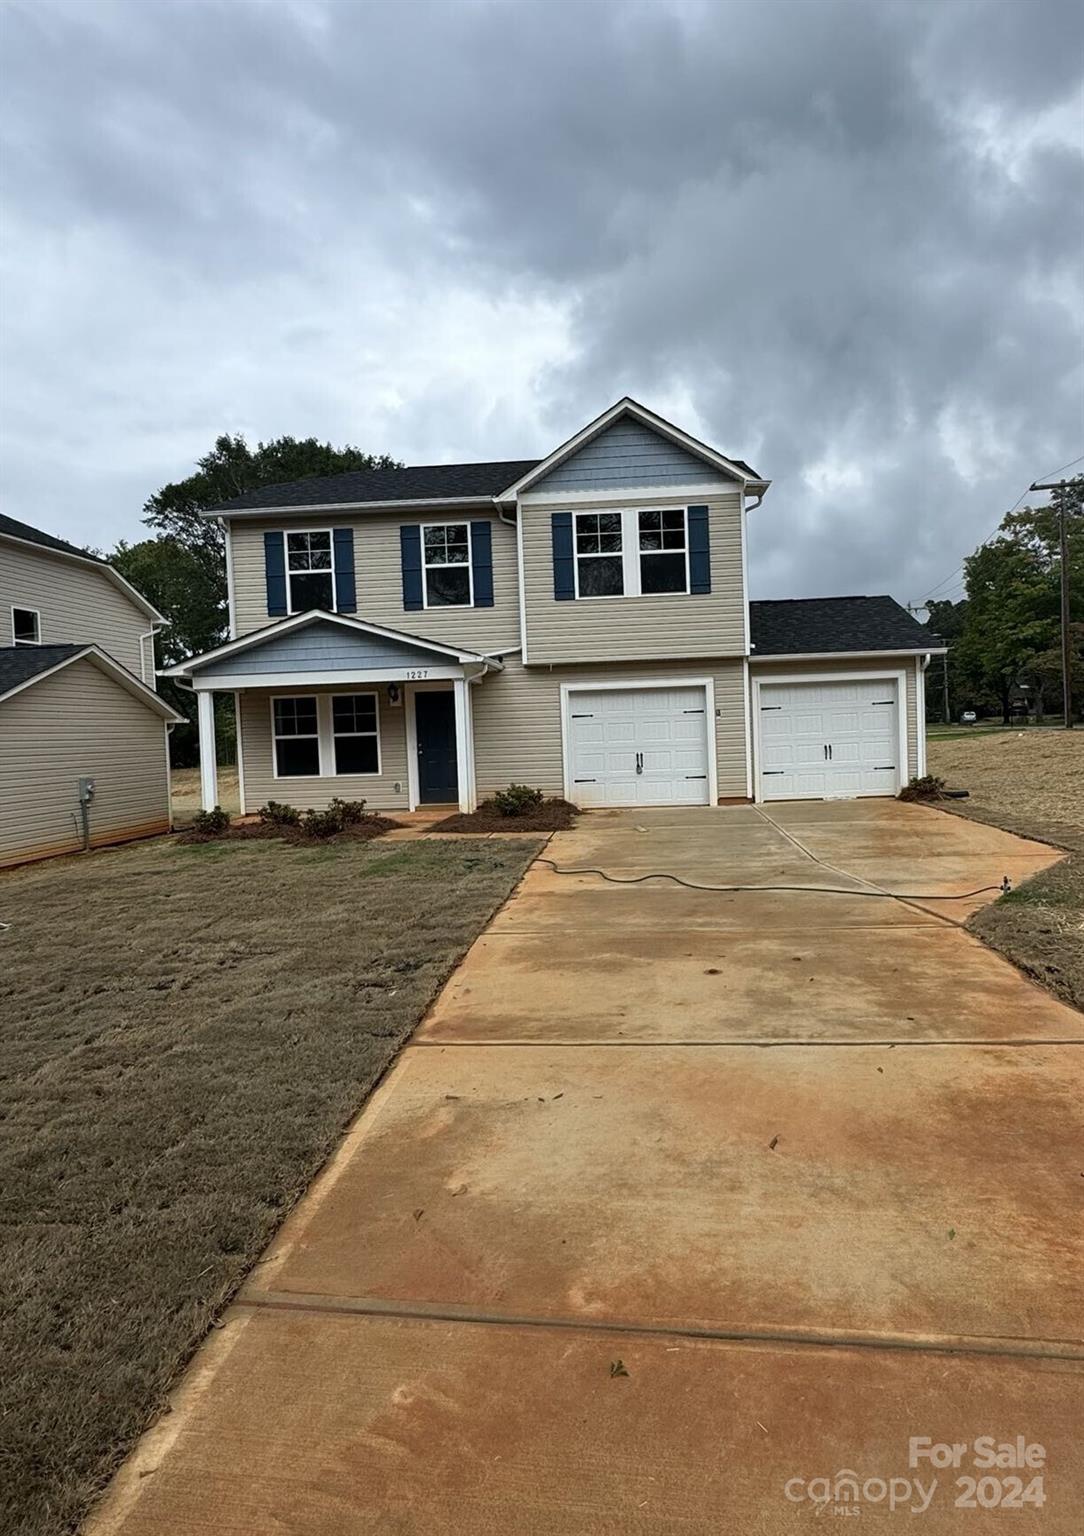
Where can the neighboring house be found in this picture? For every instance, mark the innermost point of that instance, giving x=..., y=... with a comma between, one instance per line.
x=84, y=750
x=579, y=623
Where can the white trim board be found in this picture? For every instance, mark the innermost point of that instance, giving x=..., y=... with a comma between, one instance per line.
x=790, y=678
x=635, y=685
x=644, y=495
x=361, y=677
x=309, y=508
x=796, y=657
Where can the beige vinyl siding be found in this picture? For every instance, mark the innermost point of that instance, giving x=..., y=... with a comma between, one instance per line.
x=379, y=791
x=78, y=722
x=517, y=719
x=635, y=628
x=797, y=666
x=379, y=578
x=78, y=605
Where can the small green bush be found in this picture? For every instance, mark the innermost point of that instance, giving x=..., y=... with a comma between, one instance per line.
x=517, y=800
x=926, y=788
x=275, y=814
x=322, y=823
x=350, y=812
x=211, y=823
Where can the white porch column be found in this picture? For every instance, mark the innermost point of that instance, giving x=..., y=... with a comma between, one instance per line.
x=208, y=767
x=464, y=755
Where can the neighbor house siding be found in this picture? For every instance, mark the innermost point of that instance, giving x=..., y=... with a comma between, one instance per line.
x=627, y=454
x=76, y=723
x=77, y=604
x=379, y=580
x=517, y=719
x=798, y=667
x=632, y=628
x=384, y=791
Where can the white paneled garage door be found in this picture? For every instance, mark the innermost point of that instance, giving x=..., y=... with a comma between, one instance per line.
x=819, y=740
x=637, y=746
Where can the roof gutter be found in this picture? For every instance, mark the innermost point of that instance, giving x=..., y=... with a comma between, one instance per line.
x=224, y=513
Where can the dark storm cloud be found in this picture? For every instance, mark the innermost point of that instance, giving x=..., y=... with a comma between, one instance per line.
x=842, y=239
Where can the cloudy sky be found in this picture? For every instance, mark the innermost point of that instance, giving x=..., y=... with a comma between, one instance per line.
x=841, y=239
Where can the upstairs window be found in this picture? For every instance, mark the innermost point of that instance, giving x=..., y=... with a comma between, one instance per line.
x=599, y=560
x=310, y=571
x=25, y=626
x=664, y=551
x=297, y=738
x=446, y=563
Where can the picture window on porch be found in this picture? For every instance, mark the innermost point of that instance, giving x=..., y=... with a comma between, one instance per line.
x=355, y=733
x=663, y=551
x=447, y=565
x=310, y=571
x=297, y=738
x=599, y=562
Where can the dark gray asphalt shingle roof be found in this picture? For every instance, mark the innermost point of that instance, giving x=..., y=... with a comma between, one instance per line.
x=17, y=530
x=791, y=626
x=19, y=663
x=421, y=482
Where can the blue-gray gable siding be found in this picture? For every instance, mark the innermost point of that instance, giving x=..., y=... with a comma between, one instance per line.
x=627, y=454
x=323, y=648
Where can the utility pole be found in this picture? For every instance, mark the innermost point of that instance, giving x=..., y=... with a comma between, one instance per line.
x=1063, y=546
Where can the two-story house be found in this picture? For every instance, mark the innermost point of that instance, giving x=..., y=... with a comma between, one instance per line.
x=580, y=623
x=84, y=749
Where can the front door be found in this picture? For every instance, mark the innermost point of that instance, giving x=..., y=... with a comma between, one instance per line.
x=434, y=715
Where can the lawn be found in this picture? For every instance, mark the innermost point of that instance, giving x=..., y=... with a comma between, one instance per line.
x=1030, y=782
x=185, y=1033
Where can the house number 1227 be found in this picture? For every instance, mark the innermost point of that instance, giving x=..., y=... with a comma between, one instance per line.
x=418, y=672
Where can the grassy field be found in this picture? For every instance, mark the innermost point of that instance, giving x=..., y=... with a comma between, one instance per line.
x=1030, y=782
x=185, y=1033
x=186, y=795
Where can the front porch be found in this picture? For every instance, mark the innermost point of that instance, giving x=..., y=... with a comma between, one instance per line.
x=328, y=706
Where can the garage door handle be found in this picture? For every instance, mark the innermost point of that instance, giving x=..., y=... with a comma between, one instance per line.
x=639, y=762
x=827, y=753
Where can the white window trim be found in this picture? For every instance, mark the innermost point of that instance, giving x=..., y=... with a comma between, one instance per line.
x=447, y=565
x=23, y=608
x=902, y=755
x=325, y=736
x=286, y=532
x=632, y=685
x=630, y=554
x=355, y=693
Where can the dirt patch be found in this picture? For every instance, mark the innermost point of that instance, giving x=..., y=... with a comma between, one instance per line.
x=1031, y=783
x=555, y=815
x=362, y=831
x=184, y=1033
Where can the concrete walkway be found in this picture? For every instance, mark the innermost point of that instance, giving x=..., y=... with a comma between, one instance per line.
x=678, y=1202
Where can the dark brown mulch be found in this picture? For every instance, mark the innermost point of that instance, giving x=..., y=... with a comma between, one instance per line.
x=248, y=831
x=554, y=815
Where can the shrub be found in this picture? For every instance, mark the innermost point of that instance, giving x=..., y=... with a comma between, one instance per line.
x=517, y=800
x=275, y=814
x=927, y=788
x=350, y=812
x=322, y=823
x=211, y=823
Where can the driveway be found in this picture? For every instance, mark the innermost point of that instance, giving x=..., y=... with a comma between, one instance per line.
x=678, y=1202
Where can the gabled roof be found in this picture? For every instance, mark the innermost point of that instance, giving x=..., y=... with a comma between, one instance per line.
x=424, y=483
x=734, y=469
x=258, y=637
x=827, y=626
x=21, y=666
x=23, y=533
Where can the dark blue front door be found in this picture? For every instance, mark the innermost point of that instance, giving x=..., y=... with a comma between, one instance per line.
x=434, y=713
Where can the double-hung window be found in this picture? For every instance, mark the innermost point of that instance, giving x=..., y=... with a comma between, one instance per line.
x=664, y=551
x=599, y=560
x=310, y=571
x=25, y=626
x=446, y=563
x=354, y=733
x=296, y=730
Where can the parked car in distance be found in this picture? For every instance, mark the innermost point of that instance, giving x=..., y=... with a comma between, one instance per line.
x=968, y=717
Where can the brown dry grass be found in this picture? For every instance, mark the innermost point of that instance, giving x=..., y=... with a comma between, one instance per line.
x=1031, y=783
x=185, y=797
x=185, y=1033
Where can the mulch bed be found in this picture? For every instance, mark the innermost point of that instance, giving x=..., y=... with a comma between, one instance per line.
x=554, y=815
x=248, y=831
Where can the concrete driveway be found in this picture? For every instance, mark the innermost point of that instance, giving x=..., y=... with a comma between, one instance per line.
x=678, y=1203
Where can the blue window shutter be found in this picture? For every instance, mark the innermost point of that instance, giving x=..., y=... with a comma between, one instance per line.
x=481, y=559
x=410, y=544
x=699, y=552
x=274, y=560
x=564, y=572
x=346, y=593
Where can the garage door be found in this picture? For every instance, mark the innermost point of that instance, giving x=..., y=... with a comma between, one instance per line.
x=821, y=740
x=642, y=746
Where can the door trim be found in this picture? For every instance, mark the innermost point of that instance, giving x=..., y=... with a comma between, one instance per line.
x=412, y=689
x=899, y=677
x=636, y=685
